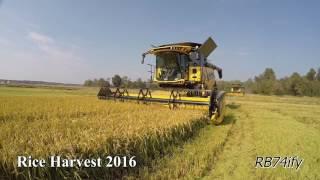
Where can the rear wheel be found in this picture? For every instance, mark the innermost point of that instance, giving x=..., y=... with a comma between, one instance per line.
x=217, y=106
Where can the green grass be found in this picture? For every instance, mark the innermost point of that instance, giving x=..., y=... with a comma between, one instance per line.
x=254, y=126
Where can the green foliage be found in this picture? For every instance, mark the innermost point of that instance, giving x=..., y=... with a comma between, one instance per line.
x=127, y=83
x=297, y=85
x=116, y=80
x=226, y=85
x=311, y=75
x=97, y=82
x=318, y=75
x=278, y=88
x=88, y=82
x=265, y=83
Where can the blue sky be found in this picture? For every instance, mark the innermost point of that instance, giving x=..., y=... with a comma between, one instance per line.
x=70, y=41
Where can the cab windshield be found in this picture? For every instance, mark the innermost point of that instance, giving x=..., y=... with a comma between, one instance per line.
x=171, y=66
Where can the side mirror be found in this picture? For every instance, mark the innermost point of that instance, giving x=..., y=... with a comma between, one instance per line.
x=220, y=73
x=143, y=56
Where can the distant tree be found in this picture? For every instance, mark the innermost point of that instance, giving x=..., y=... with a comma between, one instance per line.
x=140, y=83
x=88, y=82
x=95, y=82
x=125, y=81
x=103, y=83
x=318, y=74
x=249, y=85
x=269, y=74
x=116, y=80
x=296, y=84
x=317, y=89
x=107, y=84
x=311, y=75
x=265, y=82
x=285, y=86
x=278, y=88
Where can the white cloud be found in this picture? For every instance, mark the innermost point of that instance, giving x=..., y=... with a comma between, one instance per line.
x=54, y=50
x=40, y=38
x=56, y=60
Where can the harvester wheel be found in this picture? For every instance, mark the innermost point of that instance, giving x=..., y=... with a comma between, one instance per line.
x=217, y=106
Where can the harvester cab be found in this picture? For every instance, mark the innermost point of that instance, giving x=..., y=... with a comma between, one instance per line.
x=237, y=90
x=183, y=68
x=184, y=65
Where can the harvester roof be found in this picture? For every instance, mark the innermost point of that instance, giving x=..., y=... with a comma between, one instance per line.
x=184, y=47
x=236, y=85
x=191, y=44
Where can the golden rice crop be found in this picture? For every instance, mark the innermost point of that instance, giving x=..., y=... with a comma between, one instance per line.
x=75, y=126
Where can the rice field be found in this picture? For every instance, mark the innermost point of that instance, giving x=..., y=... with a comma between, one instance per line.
x=83, y=126
x=168, y=144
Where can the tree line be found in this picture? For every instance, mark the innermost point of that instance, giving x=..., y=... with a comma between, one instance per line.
x=118, y=81
x=295, y=84
x=266, y=83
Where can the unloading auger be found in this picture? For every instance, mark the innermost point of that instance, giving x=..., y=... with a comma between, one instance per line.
x=184, y=70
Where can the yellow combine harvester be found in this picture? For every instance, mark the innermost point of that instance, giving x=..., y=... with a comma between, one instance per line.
x=236, y=90
x=183, y=69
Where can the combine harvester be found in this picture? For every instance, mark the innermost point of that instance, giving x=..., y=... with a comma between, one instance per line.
x=236, y=90
x=183, y=69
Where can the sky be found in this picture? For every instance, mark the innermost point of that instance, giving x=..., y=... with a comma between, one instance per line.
x=74, y=40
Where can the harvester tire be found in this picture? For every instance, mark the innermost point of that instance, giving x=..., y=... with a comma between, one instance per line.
x=217, y=106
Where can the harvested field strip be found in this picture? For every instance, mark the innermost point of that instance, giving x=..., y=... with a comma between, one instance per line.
x=196, y=157
x=272, y=128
